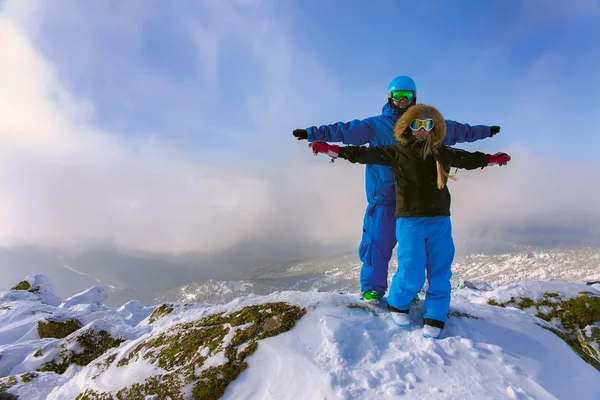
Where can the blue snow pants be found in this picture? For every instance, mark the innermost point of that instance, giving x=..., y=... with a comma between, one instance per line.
x=425, y=249
x=376, y=247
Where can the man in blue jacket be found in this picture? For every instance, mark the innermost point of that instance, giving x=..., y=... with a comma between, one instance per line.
x=379, y=226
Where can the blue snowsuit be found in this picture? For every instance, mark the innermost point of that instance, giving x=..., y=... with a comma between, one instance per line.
x=379, y=225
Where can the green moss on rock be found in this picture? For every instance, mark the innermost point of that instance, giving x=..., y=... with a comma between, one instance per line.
x=28, y=377
x=182, y=350
x=493, y=302
x=360, y=306
x=92, y=344
x=576, y=346
x=214, y=380
x=166, y=386
x=23, y=285
x=58, y=329
x=459, y=314
x=590, y=344
x=161, y=311
x=574, y=315
x=6, y=384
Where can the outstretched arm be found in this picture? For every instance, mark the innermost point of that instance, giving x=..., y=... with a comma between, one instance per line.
x=471, y=160
x=356, y=132
x=460, y=133
x=380, y=155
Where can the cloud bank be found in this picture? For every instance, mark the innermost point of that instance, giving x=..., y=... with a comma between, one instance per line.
x=69, y=180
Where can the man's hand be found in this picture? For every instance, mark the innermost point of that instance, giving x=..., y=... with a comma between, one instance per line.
x=494, y=129
x=300, y=134
x=498, y=159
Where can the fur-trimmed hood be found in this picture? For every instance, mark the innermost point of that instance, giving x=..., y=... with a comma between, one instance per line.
x=402, y=130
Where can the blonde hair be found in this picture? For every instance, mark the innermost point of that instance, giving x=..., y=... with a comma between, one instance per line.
x=442, y=175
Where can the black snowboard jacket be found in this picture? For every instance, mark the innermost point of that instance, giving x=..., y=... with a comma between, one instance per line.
x=417, y=194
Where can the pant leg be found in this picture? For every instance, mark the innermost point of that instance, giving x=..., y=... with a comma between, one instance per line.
x=412, y=260
x=376, y=247
x=440, y=255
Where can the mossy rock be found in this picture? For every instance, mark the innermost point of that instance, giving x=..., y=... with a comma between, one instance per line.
x=360, y=306
x=576, y=346
x=161, y=311
x=526, y=302
x=92, y=344
x=5, y=384
x=23, y=285
x=493, y=302
x=574, y=315
x=7, y=396
x=590, y=344
x=58, y=329
x=11, y=381
x=182, y=350
x=166, y=386
x=28, y=377
x=102, y=363
x=459, y=314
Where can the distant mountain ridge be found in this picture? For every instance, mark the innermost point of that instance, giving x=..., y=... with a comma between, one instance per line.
x=341, y=273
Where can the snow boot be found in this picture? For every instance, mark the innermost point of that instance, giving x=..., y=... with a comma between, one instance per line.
x=432, y=328
x=371, y=296
x=400, y=317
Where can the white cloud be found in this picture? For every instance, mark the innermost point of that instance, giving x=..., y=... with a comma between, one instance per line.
x=64, y=183
x=531, y=199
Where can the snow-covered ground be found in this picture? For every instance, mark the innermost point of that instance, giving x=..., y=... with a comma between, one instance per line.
x=337, y=349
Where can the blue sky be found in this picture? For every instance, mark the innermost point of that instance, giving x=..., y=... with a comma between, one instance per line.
x=198, y=71
x=180, y=108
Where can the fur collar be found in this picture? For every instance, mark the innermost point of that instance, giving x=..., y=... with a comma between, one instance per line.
x=402, y=130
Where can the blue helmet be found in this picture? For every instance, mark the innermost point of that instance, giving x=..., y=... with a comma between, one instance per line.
x=402, y=83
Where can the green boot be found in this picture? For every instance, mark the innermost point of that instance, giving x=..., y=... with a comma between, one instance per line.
x=371, y=296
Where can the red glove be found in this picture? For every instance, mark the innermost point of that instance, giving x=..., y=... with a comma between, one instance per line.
x=332, y=150
x=498, y=158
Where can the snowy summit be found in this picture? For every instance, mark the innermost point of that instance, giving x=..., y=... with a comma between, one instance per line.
x=530, y=340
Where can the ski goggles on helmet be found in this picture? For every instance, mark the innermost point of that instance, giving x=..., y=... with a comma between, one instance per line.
x=398, y=95
x=426, y=124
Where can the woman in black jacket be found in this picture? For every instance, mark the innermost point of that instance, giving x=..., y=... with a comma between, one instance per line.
x=421, y=167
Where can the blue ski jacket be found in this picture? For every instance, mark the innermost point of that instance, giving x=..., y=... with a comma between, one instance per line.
x=379, y=131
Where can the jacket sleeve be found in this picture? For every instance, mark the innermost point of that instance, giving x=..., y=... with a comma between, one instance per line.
x=465, y=159
x=355, y=132
x=380, y=155
x=461, y=133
